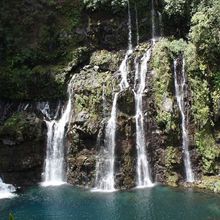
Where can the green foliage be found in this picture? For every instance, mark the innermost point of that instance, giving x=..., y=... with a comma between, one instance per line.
x=32, y=35
x=11, y=217
x=172, y=157
x=201, y=102
x=21, y=127
x=199, y=81
x=161, y=64
x=14, y=127
x=164, y=53
x=175, y=6
x=209, y=151
x=38, y=83
x=216, y=92
x=97, y=4
x=177, y=47
x=205, y=32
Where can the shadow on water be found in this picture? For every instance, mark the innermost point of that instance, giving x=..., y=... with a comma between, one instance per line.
x=65, y=202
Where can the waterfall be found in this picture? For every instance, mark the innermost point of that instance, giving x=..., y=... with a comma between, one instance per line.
x=153, y=31
x=137, y=25
x=143, y=170
x=6, y=190
x=123, y=67
x=180, y=84
x=54, y=173
x=105, y=164
x=129, y=29
x=160, y=23
x=105, y=180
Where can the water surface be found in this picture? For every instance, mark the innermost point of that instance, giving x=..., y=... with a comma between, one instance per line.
x=65, y=202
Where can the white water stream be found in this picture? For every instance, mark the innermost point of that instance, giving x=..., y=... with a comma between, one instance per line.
x=180, y=84
x=143, y=169
x=105, y=169
x=6, y=190
x=54, y=172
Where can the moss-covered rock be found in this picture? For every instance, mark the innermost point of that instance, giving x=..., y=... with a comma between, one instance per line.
x=20, y=127
x=92, y=99
x=211, y=183
x=172, y=179
x=22, y=149
x=105, y=60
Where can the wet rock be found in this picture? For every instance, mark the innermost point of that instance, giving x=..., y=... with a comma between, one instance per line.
x=126, y=102
x=81, y=170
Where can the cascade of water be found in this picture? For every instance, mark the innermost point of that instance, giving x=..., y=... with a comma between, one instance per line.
x=180, y=84
x=129, y=29
x=105, y=163
x=123, y=67
x=143, y=170
x=137, y=25
x=54, y=173
x=44, y=107
x=160, y=23
x=153, y=31
x=6, y=190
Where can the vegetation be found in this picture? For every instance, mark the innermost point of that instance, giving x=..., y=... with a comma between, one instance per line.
x=11, y=216
x=38, y=39
x=35, y=39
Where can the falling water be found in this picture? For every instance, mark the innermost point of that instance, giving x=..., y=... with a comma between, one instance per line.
x=180, y=85
x=137, y=25
x=105, y=181
x=153, y=31
x=123, y=67
x=143, y=170
x=6, y=190
x=54, y=164
x=129, y=29
x=105, y=164
x=160, y=23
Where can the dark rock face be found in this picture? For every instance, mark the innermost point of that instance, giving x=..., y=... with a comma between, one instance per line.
x=108, y=32
x=87, y=129
x=125, y=152
x=22, y=149
x=92, y=98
